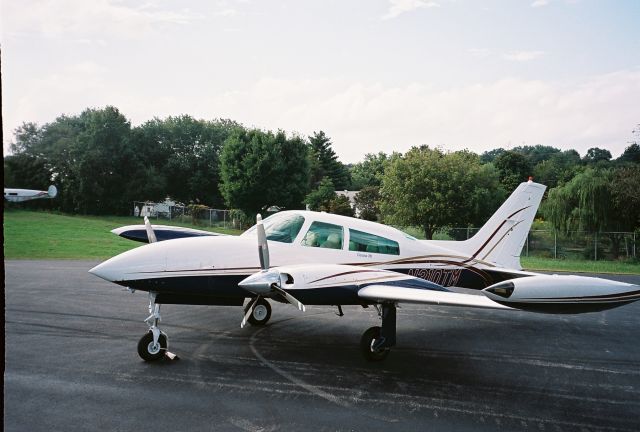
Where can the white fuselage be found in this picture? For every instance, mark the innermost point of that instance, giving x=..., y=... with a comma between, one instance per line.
x=194, y=265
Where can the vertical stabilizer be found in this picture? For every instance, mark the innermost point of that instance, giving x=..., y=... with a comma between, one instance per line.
x=501, y=239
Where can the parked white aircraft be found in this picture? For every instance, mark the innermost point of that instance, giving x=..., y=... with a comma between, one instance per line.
x=20, y=195
x=326, y=259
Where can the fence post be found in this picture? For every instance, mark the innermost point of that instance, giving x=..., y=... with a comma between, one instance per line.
x=555, y=244
x=634, y=244
x=595, y=252
x=224, y=218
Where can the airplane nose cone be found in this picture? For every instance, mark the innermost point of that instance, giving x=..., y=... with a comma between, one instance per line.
x=107, y=271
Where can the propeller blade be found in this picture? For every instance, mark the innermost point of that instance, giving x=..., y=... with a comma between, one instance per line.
x=249, y=311
x=291, y=299
x=150, y=234
x=263, y=246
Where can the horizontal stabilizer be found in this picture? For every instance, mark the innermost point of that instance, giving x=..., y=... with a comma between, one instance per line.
x=162, y=232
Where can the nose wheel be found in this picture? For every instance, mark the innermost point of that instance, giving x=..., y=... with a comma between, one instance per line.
x=153, y=345
x=150, y=350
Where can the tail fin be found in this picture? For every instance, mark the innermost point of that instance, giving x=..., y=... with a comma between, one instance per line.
x=501, y=239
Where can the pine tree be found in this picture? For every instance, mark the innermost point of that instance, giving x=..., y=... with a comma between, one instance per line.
x=324, y=163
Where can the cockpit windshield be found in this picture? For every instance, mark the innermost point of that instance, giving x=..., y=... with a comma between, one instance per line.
x=280, y=227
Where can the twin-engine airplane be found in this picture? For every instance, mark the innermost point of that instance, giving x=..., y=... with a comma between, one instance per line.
x=20, y=195
x=310, y=258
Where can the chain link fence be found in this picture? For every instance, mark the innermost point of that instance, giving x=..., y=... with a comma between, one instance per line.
x=574, y=245
x=191, y=214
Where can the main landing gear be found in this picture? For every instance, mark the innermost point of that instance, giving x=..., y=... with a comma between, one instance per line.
x=153, y=345
x=376, y=342
x=261, y=311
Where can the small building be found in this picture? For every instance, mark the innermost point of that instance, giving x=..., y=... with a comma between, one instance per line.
x=160, y=209
x=351, y=196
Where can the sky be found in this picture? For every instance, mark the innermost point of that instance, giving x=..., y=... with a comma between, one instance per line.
x=374, y=75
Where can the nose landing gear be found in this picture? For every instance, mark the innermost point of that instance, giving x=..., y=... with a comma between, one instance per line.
x=153, y=345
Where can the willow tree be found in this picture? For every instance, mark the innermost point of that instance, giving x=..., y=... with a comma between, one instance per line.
x=591, y=202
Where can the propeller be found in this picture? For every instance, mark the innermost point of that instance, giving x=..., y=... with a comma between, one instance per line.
x=263, y=246
x=150, y=234
x=266, y=282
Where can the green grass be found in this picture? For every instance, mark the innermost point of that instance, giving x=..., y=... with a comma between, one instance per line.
x=41, y=235
x=621, y=267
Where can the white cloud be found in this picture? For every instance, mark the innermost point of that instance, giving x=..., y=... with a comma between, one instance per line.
x=59, y=93
x=523, y=56
x=53, y=18
x=539, y=3
x=398, y=7
x=226, y=12
x=363, y=117
x=480, y=52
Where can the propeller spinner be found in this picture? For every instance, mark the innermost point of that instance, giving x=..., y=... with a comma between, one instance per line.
x=266, y=282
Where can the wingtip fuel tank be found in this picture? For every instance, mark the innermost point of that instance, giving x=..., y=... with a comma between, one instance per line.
x=562, y=293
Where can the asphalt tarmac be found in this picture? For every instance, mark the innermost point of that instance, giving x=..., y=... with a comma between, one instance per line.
x=71, y=364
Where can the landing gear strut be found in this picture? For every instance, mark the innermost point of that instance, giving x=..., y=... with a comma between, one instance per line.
x=153, y=345
x=376, y=342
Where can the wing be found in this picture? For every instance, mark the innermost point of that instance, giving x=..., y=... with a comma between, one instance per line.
x=543, y=293
x=382, y=293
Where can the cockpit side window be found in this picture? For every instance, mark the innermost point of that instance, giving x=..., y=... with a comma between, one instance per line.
x=364, y=242
x=324, y=235
x=280, y=227
x=284, y=229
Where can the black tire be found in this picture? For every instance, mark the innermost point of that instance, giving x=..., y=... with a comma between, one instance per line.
x=365, y=345
x=146, y=350
x=261, y=313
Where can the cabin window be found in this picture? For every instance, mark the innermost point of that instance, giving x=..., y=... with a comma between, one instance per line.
x=323, y=235
x=364, y=242
x=283, y=229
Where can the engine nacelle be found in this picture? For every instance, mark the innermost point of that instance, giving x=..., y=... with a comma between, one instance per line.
x=562, y=294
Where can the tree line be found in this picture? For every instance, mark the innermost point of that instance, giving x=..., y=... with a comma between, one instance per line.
x=101, y=164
